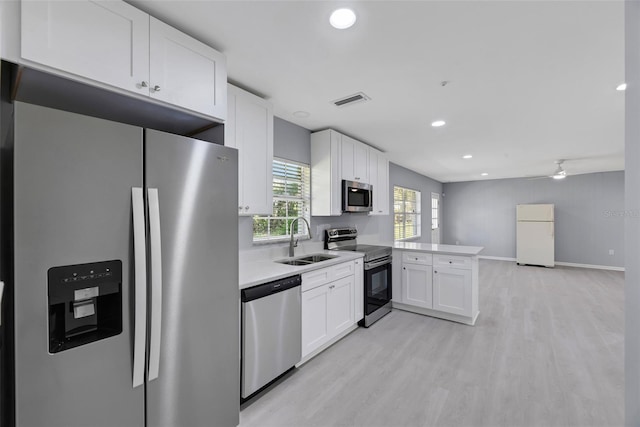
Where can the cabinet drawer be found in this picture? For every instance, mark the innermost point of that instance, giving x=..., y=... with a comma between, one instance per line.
x=319, y=277
x=343, y=270
x=452, y=261
x=417, y=258
x=316, y=278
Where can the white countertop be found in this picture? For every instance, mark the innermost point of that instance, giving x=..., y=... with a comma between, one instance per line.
x=260, y=270
x=438, y=248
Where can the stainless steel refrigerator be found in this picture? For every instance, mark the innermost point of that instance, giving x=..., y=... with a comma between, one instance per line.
x=125, y=275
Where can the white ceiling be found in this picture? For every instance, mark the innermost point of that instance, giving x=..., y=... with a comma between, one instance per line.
x=529, y=82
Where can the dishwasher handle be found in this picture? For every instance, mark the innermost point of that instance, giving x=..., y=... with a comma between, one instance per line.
x=270, y=288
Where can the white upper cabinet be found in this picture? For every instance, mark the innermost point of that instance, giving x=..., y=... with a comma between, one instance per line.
x=186, y=72
x=114, y=45
x=249, y=128
x=336, y=157
x=354, y=157
x=379, y=178
x=104, y=41
x=326, y=196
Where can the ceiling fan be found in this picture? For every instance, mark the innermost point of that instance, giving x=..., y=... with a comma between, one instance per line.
x=559, y=173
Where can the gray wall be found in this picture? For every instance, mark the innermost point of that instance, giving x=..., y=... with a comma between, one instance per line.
x=632, y=222
x=293, y=142
x=290, y=142
x=407, y=178
x=588, y=215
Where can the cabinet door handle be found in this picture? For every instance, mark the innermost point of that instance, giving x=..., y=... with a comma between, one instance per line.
x=240, y=207
x=357, y=177
x=332, y=286
x=156, y=88
x=143, y=84
x=435, y=271
x=246, y=207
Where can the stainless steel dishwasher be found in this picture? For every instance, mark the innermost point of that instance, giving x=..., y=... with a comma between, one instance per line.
x=271, y=332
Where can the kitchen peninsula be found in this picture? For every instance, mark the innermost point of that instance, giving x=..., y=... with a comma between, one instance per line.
x=436, y=280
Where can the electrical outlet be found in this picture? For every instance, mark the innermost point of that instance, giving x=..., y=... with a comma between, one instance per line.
x=611, y=252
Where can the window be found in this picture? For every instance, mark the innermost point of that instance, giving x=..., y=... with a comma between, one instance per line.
x=406, y=213
x=290, y=200
x=435, y=218
x=435, y=201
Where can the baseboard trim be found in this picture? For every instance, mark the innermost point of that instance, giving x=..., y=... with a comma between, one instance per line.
x=593, y=266
x=496, y=258
x=564, y=264
x=471, y=321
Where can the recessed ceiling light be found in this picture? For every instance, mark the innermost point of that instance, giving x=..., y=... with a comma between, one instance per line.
x=342, y=18
x=438, y=123
x=467, y=156
x=484, y=174
x=301, y=114
x=622, y=86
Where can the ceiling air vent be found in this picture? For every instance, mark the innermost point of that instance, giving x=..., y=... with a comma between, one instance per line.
x=351, y=99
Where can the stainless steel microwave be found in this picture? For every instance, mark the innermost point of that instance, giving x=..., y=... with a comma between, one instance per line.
x=356, y=196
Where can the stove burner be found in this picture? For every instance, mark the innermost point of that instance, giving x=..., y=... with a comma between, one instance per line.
x=345, y=239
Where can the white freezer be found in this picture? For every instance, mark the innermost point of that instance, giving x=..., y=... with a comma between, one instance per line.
x=535, y=243
x=538, y=212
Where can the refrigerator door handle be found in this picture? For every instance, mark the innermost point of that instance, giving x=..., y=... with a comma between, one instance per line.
x=140, y=283
x=156, y=283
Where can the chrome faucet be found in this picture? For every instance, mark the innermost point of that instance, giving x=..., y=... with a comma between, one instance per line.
x=293, y=244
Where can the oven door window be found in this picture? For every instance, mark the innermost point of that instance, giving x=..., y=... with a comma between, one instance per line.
x=377, y=287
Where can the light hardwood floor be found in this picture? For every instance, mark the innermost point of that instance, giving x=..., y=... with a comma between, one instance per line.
x=547, y=350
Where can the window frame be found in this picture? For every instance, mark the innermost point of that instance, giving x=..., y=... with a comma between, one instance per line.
x=305, y=198
x=418, y=213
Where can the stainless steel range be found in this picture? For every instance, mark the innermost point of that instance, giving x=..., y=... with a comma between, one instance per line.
x=377, y=271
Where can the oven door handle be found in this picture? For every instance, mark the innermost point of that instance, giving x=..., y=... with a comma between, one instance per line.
x=374, y=264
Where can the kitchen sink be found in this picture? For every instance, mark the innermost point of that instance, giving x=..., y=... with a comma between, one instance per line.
x=306, y=260
x=294, y=262
x=316, y=258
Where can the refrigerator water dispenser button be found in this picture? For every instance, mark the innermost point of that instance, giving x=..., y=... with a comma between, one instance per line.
x=83, y=294
x=83, y=309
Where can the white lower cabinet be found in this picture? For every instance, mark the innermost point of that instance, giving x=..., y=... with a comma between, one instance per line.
x=315, y=318
x=452, y=290
x=417, y=283
x=328, y=309
x=444, y=286
x=340, y=307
